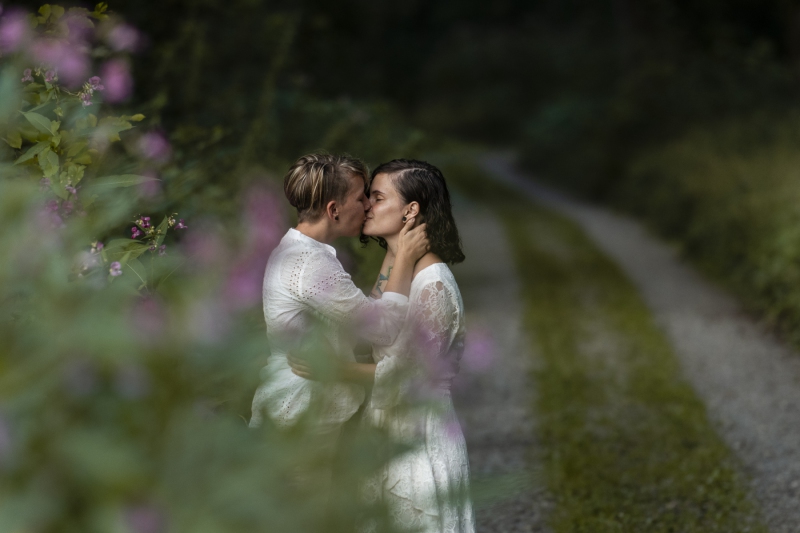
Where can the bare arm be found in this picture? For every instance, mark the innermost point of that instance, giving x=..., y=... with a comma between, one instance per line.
x=383, y=275
x=359, y=373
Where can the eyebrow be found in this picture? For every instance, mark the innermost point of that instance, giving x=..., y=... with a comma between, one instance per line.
x=376, y=192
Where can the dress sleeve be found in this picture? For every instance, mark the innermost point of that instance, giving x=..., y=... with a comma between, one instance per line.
x=421, y=358
x=321, y=282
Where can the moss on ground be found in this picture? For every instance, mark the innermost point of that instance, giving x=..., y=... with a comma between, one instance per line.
x=626, y=443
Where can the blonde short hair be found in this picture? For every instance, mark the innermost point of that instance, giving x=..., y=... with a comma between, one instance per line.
x=316, y=179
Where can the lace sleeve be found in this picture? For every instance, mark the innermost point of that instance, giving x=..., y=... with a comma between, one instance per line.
x=322, y=283
x=422, y=359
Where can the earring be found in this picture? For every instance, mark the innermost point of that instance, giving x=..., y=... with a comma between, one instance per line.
x=404, y=219
x=336, y=217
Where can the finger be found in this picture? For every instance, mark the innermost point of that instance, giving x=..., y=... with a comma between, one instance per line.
x=303, y=375
x=408, y=225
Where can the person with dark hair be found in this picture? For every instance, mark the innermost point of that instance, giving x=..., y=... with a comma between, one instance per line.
x=427, y=488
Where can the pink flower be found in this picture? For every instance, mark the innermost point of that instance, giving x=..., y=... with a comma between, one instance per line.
x=94, y=83
x=132, y=381
x=86, y=99
x=80, y=378
x=479, y=351
x=123, y=37
x=145, y=519
x=162, y=250
x=116, y=269
x=71, y=61
x=6, y=441
x=118, y=80
x=52, y=205
x=154, y=145
x=136, y=233
x=14, y=31
x=50, y=76
x=180, y=225
x=144, y=222
x=27, y=75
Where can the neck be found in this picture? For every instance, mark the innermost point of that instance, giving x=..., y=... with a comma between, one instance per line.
x=391, y=243
x=319, y=231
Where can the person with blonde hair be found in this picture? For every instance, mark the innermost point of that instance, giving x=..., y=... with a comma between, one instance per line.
x=307, y=294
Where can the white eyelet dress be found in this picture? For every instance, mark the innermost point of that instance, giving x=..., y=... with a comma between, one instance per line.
x=427, y=488
x=305, y=287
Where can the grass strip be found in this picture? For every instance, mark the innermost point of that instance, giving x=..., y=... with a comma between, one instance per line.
x=626, y=443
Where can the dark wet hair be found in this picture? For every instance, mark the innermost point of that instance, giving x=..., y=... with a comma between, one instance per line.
x=421, y=182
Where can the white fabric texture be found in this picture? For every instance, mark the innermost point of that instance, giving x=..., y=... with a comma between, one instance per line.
x=306, y=291
x=427, y=488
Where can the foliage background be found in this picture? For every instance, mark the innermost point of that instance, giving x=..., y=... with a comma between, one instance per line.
x=680, y=112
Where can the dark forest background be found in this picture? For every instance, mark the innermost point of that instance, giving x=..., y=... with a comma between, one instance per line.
x=683, y=113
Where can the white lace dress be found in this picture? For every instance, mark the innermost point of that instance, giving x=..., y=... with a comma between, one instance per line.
x=306, y=291
x=427, y=488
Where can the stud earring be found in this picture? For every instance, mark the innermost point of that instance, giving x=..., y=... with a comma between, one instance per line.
x=404, y=219
x=336, y=217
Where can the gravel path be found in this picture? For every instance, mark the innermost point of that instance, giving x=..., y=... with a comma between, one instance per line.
x=749, y=381
x=496, y=406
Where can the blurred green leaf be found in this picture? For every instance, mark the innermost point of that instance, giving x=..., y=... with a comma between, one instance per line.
x=122, y=180
x=14, y=140
x=40, y=122
x=48, y=162
x=33, y=151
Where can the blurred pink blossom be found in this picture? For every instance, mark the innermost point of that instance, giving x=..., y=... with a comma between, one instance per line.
x=452, y=429
x=204, y=246
x=14, y=31
x=79, y=378
x=153, y=145
x=264, y=227
x=86, y=99
x=145, y=519
x=181, y=225
x=208, y=321
x=115, y=269
x=148, y=317
x=162, y=250
x=123, y=37
x=136, y=232
x=132, y=381
x=26, y=75
x=118, y=81
x=479, y=351
x=150, y=188
x=50, y=76
x=71, y=61
x=6, y=441
x=94, y=83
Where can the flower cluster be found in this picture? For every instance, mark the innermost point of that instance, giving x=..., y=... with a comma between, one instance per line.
x=93, y=84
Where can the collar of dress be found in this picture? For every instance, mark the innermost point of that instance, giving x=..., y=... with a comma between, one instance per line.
x=295, y=235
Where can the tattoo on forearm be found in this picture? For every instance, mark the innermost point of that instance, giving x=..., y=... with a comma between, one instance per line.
x=381, y=280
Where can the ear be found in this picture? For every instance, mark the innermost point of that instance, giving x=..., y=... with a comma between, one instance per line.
x=411, y=210
x=332, y=210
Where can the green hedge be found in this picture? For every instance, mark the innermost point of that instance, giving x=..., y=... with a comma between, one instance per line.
x=729, y=195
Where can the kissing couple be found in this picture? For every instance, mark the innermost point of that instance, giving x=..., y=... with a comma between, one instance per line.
x=414, y=320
